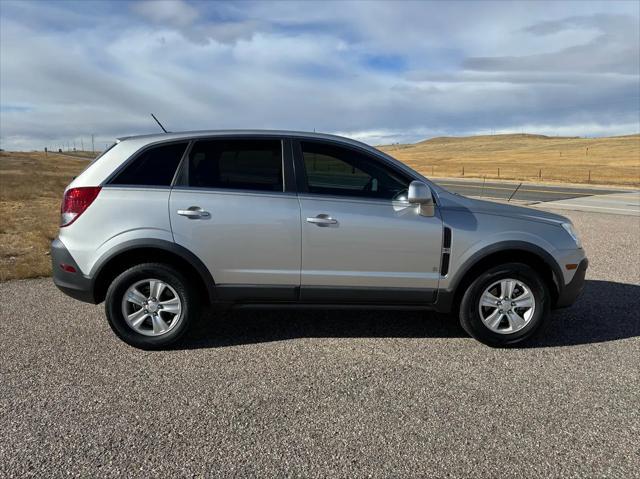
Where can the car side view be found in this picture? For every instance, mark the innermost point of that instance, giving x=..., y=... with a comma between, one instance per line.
x=160, y=225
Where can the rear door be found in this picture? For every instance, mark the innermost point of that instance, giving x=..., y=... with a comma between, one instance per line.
x=361, y=240
x=235, y=207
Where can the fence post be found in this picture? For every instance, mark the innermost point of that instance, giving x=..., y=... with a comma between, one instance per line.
x=498, y=172
x=589, y=177
x=462, y=170
x=432, y=169
x=540, y=174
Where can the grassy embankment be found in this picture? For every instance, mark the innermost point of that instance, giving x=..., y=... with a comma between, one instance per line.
x=31, y=189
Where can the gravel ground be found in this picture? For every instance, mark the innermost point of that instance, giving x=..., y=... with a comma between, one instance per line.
x=332, y=394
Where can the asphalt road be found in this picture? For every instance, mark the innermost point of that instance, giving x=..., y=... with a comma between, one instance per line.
x=527, y=192
x=329, y=394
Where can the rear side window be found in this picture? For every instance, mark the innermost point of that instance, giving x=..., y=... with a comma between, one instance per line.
x=236, y=164
x=154, y=167
x=336, y=171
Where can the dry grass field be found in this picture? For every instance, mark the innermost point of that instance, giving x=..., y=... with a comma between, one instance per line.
x=30, y=193
x=31, y=185
x=612, y=160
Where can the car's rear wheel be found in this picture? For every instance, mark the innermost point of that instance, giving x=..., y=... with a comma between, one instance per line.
x=150, y=305
x=505, y=305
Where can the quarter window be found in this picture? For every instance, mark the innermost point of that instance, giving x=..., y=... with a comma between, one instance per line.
x=236, y=164
x=154, y=167
x=333, y=170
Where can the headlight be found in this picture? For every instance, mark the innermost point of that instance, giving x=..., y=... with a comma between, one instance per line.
x=568, y=227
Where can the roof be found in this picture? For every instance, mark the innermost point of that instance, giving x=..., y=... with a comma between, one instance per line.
x=207, y=133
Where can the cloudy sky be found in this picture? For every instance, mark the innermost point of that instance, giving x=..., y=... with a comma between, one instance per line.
x=380, y=72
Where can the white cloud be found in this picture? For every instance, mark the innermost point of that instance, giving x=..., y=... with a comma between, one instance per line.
x=173, y=12
x=378, y=72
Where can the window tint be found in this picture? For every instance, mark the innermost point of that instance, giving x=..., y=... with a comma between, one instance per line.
x=334, y=170
x=154, y=167
x=236, y=164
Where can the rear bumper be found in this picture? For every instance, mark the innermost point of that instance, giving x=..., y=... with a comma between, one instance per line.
x=572, y=290
x=76, y=285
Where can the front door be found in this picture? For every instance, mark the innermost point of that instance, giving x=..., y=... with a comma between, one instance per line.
x=361, y=240
x=230, y=208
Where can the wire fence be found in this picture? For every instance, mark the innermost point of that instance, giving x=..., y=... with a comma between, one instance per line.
x=607, y=175
x=82, y=146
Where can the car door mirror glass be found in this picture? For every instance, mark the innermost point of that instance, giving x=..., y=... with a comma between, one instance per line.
x=420, y=194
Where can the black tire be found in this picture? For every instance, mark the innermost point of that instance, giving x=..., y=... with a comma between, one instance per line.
x=469, y=307
x=170, y=276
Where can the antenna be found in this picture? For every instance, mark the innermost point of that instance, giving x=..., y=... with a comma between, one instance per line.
x=514, y=192
x=158, y=122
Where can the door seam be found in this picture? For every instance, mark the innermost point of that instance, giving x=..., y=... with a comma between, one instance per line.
x=301, y=245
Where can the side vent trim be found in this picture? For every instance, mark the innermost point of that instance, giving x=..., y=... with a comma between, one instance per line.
x=446, y=251
x=444, y=268
x=446, y=242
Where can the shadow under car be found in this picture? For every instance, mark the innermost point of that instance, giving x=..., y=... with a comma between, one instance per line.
x=606, y=311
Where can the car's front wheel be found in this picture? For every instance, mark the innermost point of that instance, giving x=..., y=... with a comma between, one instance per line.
x=505, y=305
x=150, y=305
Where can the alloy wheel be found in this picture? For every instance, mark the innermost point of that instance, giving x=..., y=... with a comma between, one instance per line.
x=151, y=307
x=507, y=306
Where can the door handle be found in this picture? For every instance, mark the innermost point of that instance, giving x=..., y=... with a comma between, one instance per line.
x=194, y=213
x=322, y=220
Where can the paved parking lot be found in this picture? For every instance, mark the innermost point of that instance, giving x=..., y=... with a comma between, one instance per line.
x=329, y=394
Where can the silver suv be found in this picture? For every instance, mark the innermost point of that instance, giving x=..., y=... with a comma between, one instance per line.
x=161, y=225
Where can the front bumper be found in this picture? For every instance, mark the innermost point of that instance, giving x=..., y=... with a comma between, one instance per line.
x=76, y=285
x=572, y=290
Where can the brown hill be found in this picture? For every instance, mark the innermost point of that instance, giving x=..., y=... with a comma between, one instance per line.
x=610, y=160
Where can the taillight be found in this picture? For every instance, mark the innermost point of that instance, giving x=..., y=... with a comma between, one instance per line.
x=75, y=201
x=67, y=267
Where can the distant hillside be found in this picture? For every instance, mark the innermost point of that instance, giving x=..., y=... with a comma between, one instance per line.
x=611, y=160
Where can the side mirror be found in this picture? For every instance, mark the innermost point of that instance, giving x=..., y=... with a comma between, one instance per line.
x=420, y=194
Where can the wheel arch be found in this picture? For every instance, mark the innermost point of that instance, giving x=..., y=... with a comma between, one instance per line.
x=500, y=253
x=137, y=251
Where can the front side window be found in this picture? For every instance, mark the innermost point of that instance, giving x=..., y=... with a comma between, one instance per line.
x=154, y=167
x=334, y=170
x=236, y=164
